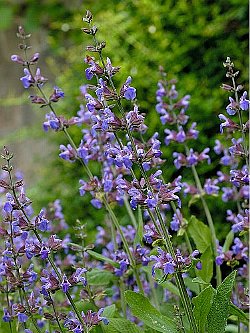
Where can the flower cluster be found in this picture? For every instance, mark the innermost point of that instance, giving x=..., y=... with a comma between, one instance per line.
x=43, y=272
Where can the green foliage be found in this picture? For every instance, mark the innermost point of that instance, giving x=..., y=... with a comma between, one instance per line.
x=100, y=257
x=200, y=233
x=202, y=304
x=239, y=314
x=206, y=272
x=97, y=277
x=119, y=325
x=142, y=309
x=219, y=311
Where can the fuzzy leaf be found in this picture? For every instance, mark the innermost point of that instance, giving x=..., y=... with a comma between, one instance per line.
x=139, y=232
x=217, y=317
x=100, y=257
x=206, y=272
x=97, y=277
x=202, y=304
x=200, y=234
x=146, y=312
x=200, y=281
x=171, y=287
x=228, y=241
x=109, y=311
x=235, y=311
x=119, y=325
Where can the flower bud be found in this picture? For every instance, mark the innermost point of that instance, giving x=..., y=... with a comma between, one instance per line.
x=86, y=31
x=16, y=58
x=226, y=87
x=34, y=58
x=88, y=17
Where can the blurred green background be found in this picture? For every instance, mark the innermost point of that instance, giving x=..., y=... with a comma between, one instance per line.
x=190, y=39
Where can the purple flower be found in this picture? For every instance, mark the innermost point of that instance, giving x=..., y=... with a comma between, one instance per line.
x=44, y=252
x=96, y=203
x=192, y=158
x=164, y=261
x=22, y=317
x=51, y=122
x=16, y=58
x=8, y=207
x=176, y=220
x=65, y=285
x=42, y=222
x=244, y=103
x=232, y=107
x=228, y=194
x=210, y=186
x=93, y=69
x=94, y=318
x=6, y=316
x=128, y=92
x=68, y=153
x=228, y=123
x=27, y=80
x=56, y=95
x=151, y=200
x=218, y=148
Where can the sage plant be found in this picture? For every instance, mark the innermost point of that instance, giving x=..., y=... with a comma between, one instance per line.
x=161, y=258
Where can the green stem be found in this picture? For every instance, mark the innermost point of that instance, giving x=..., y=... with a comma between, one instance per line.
x=30, y=313
x=55, y=313
x=8, y=303
x=153, y=289
x=130, y=213
x=179, y=280
x=210, y=222
x=123, y=303
x=125, y=244
x=185, y=232
x=244, y=142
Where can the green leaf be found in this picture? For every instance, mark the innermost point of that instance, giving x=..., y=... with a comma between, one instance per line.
x=144, y=310
x=109, y=311
x=228, y=241
x=139, y=231
x=171, y=287
x=200, y=234
x=200, y=281
x=202, y=304
x=206, y=272
x=235, y=311
x=194, y=287
x=100, y=257
x=97, y=277
x=217, y=317
x=119, y=325
x=193, y=200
